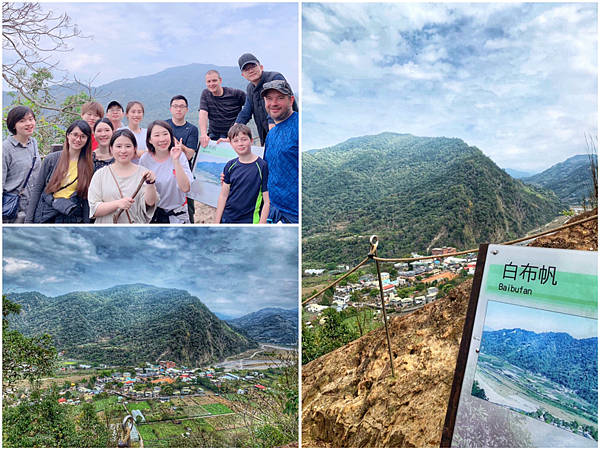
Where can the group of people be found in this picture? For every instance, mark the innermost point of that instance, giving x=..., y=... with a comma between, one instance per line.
x=111, y=173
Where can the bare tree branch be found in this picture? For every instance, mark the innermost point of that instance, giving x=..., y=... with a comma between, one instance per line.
x=30, y=40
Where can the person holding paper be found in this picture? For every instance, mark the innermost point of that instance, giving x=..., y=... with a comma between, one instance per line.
x=219, y=107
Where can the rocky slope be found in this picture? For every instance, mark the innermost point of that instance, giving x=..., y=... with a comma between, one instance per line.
x=349, y=398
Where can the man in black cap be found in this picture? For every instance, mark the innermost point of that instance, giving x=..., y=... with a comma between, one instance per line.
x=282, y=152
x=115, y=113
x=253, y=71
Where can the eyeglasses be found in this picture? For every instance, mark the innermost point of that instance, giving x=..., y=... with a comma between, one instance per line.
x=248, y=67
x=76, y=136
x=179, y=106
x=114, y=110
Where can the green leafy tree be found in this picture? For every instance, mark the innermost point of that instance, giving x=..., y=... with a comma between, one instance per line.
x=90, y=431
x=352, y=278
x=24, y=358
x=42, y=423
x=478, y=391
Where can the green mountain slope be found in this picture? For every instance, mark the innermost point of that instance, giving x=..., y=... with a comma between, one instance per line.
x=571, y=362
x=130, y=324
x=270, y=325
x=571, y=179
x=414, y=193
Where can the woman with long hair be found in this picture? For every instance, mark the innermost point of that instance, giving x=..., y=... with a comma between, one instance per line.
x=60, y=191
x=173, y=175
x=135, y=114
x=20, y=160
x=121, y=186
x=103, y=131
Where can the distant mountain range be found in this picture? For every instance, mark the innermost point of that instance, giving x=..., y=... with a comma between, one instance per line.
x=517, y=174
x=155, y=91
x=212, y=168
x=270, y=325
x=571, y=362
x=415, y=193
x=130, y=324
x=571, y=179
x=223, y=316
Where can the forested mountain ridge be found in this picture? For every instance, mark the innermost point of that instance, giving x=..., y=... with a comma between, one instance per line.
x=414, y=193
x=130, y=324
x=570, y=180
x=156, y=90
x=276, y=325
x=560, y=357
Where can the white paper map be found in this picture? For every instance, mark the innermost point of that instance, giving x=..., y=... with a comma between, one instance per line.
x=208, y=167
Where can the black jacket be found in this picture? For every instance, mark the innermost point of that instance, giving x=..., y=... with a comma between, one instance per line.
x=41, y=205
x=261, y=118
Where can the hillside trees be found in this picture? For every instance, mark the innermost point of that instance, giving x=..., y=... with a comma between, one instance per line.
x=23, y=358
x=41, y=421
x=414, y=193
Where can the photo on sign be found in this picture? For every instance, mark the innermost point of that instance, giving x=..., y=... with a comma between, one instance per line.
x=540, y=364
x=208, y=167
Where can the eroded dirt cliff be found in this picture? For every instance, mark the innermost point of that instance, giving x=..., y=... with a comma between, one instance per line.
x=349, y=398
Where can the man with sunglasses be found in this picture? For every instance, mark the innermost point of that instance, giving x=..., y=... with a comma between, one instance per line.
x=281, y=152
x=253, y=71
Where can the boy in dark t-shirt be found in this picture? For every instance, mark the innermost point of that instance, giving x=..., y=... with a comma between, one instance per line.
x=245, y=185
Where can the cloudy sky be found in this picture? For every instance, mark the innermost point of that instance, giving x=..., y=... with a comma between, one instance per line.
x=232, y=270
x=519, y=81
x=128, y=40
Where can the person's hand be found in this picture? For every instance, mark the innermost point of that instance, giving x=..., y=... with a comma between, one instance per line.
x=125, y=203
x=222, y=178
x=222, y=140
x=204, y=140
x=149, y=176
x=176, y=150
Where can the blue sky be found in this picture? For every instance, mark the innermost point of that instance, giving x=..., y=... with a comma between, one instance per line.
x=519, y=81
x=128, y=40
x=232, y=270
x=501, y=316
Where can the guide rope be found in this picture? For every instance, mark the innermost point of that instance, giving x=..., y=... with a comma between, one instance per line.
x=373, y=253
x=374, y=241
x=127, y=426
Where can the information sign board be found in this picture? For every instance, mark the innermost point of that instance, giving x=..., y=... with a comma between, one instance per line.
x=208, y=167
x=527, y=373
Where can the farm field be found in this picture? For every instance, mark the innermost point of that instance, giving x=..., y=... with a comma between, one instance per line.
x=225, y=422
x=196, y=410
x=102, y=404
x=138, y=405
x=507, y=385
x=217, y=408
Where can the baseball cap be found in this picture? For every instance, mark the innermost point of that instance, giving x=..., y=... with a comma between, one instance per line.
x=247, y=58
x=279, y=85
x=114, y=103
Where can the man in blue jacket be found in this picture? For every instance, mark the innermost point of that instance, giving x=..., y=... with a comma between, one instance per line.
x=281, y=152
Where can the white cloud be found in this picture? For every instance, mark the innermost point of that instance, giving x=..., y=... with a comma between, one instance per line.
x=52, y=279
x=486, y=73
x=14, y=266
